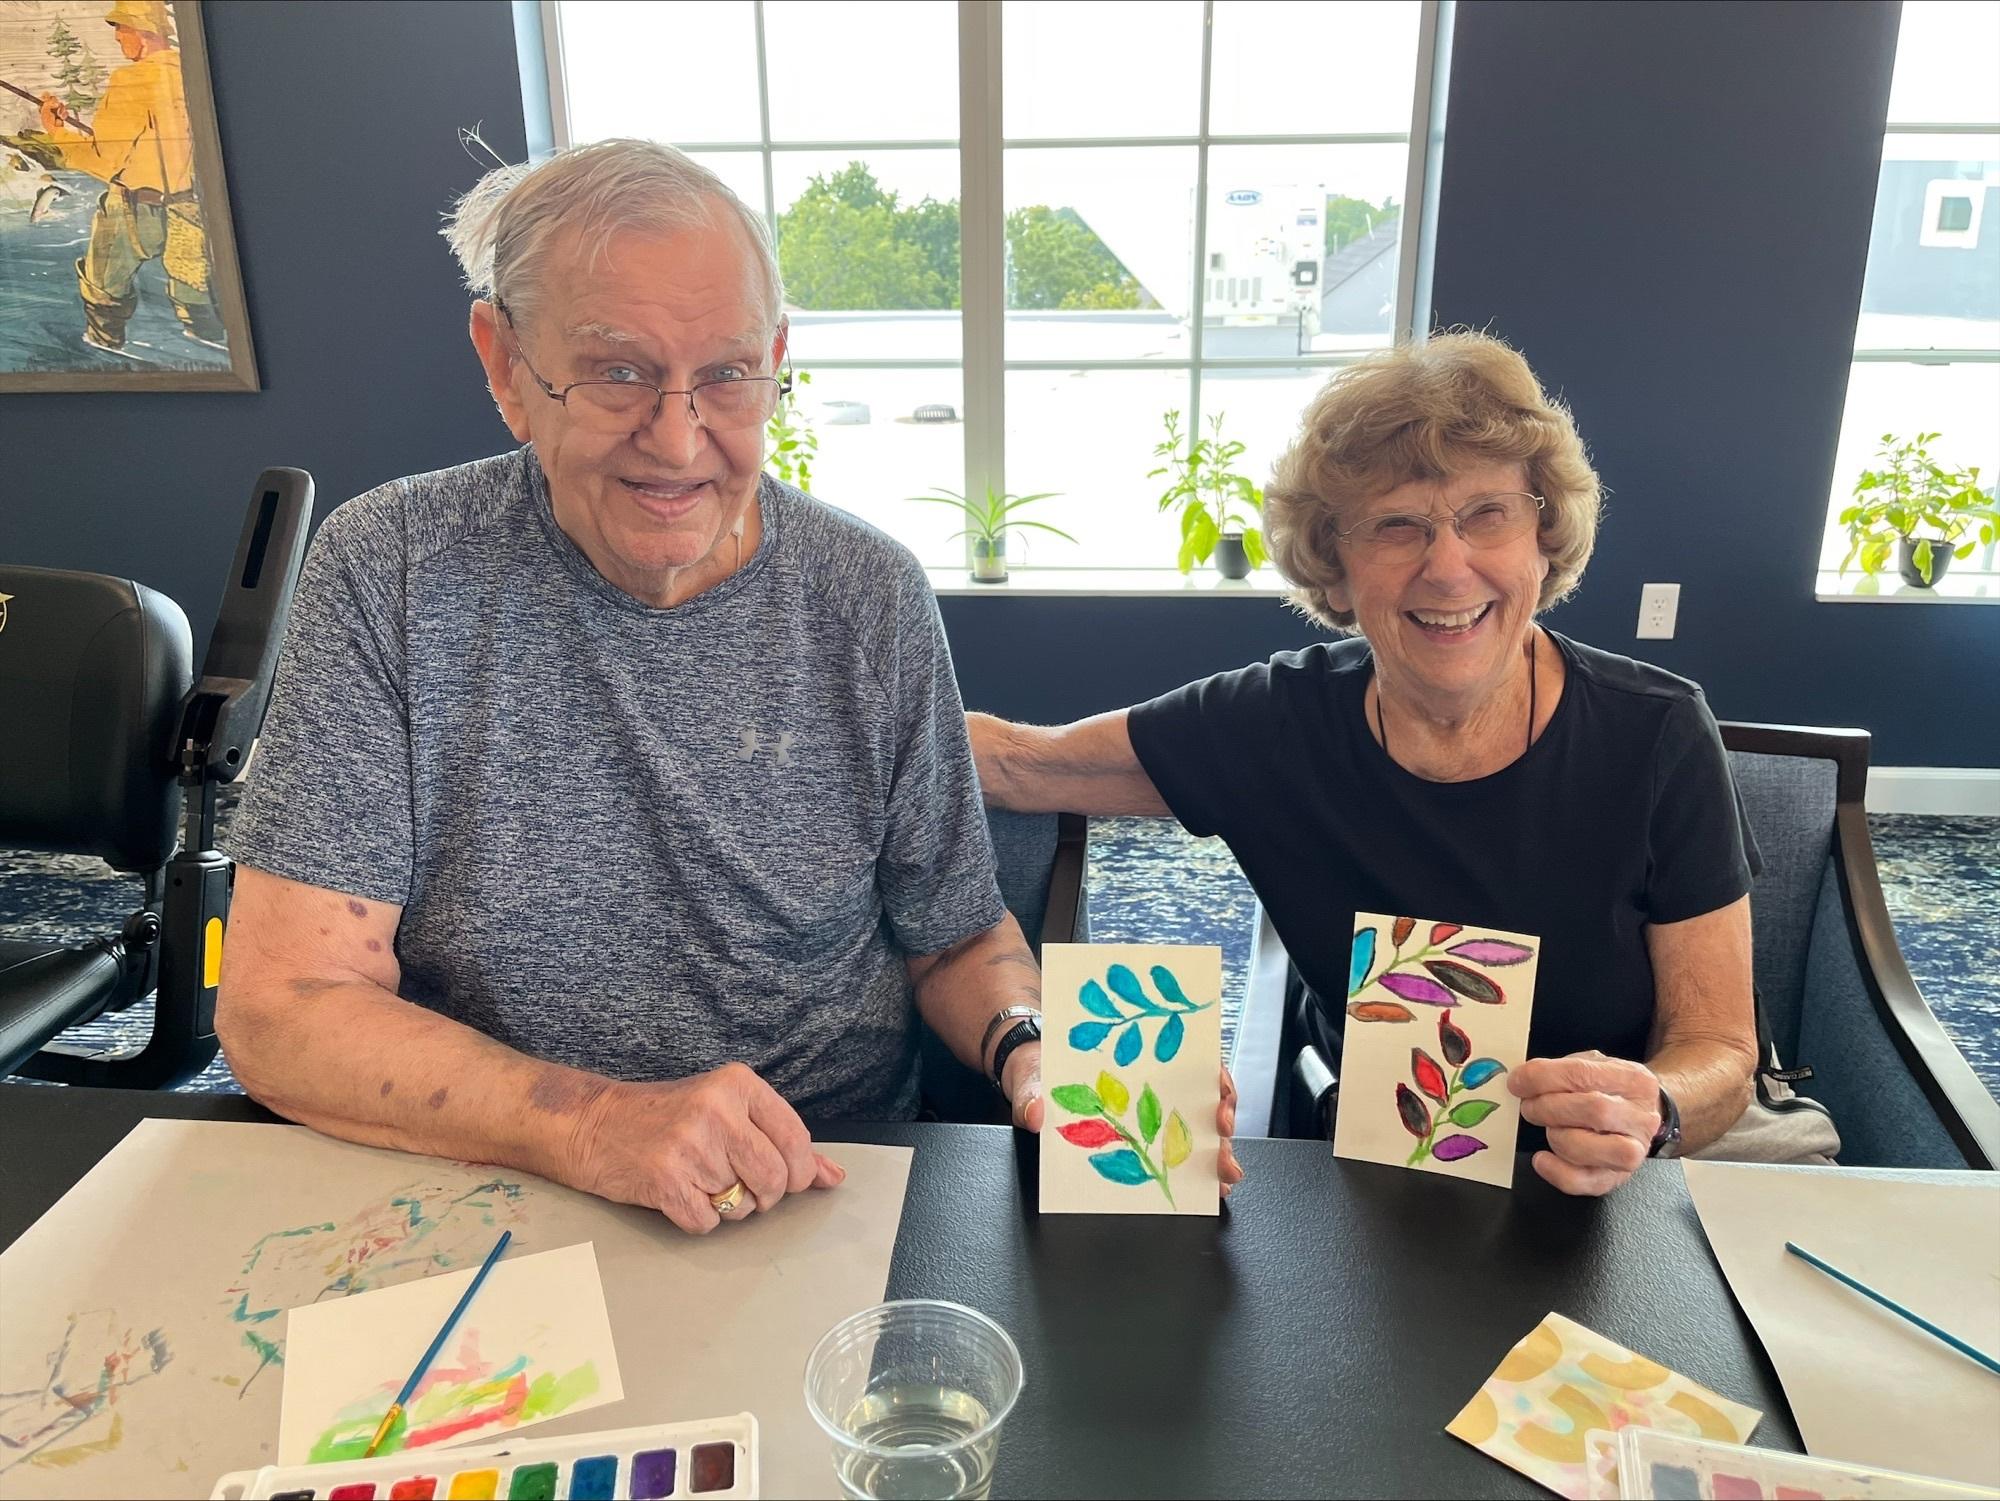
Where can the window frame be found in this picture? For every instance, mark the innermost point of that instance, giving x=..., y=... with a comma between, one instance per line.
x=982, y=148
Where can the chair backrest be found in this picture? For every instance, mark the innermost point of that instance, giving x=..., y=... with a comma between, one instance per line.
x=92, y=673
x=1836, y=992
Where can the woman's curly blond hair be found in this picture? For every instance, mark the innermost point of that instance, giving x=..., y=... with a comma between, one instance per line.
x=1423, y=412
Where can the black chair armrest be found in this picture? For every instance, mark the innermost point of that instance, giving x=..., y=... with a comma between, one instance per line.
x=1063, y=922
x=1312, y=1095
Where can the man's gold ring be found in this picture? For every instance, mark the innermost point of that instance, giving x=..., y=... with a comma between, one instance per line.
x=730, y=1199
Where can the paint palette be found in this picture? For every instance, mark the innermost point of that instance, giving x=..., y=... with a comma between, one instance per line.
x=712, y=1460
x=1652, y=1464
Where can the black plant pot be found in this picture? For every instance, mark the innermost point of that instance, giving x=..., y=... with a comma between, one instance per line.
x=1231, y=560
x=1906, y=562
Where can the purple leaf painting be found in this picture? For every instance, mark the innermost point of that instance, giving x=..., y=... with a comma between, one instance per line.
x=1424, y=992
x=1492, y=951
x=1457, y=1148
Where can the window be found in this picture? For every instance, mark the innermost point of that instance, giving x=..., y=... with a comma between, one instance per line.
x=1267, y=143
x=1927, y=346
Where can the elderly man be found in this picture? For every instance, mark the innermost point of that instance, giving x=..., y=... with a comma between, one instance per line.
x=614, y=795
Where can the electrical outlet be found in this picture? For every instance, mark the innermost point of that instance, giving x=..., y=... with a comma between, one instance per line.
x=1659, y=604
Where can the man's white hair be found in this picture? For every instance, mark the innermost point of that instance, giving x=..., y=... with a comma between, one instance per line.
x=503, y=229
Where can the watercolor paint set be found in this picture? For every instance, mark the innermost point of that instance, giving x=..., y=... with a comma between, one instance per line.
x=711, y=1460
x=1646, y=1464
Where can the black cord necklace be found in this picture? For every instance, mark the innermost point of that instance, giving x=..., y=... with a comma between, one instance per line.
x=1382, y=730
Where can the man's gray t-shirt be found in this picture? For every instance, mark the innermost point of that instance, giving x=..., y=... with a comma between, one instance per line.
x=639, y=841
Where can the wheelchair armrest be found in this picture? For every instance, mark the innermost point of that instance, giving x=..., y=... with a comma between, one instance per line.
x=1313, y=1090
x=62, y=987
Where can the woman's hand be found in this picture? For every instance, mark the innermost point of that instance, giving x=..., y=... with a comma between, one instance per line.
x=1601, y=1114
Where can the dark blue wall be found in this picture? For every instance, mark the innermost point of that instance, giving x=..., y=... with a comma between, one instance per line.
x=1665, y=206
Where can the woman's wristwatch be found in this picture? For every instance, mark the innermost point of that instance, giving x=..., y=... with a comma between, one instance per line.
x=1027, y=1027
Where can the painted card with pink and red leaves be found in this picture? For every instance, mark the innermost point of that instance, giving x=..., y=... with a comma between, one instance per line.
x=1437, y=1016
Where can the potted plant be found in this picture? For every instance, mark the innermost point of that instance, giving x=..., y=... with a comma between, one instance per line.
x=1916, y=505
x=987, y=523
x=1217, y=505
x=790, y=440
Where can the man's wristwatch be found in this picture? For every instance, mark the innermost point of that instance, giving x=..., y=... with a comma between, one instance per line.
x=1667, y=1140
x=1026, y=1027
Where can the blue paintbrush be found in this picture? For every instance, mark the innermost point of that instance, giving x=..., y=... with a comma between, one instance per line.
x=396, y=1408
x=1894, y=1307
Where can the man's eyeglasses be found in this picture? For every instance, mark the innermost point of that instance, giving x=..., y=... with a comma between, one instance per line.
x=1483, y=521
x=625, y=406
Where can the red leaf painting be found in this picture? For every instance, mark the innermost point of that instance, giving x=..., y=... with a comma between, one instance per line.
x=1092, y=1133
x=1430, y=1078
x=1444, y=930
x=1404, y=927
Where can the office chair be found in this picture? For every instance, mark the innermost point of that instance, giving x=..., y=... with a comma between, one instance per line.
x=1831, y=981
x=110, y=743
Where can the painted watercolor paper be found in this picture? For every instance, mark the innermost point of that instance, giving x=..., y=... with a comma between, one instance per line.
x=535, y=1344
x=1667, y=1467
x=1536, y=1412
x=143, y=1319
x=1437, y=1016
x=1866, y=1386
x=1132, y=1069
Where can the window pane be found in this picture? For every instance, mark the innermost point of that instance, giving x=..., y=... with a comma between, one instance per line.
x=1288, y=69
x=1089, y=434
x=1053, y=61
x=1098, y=248
x=1945, y=71
x=1302, y=230
x=860, y=71
x=1961, y=403
x=613, y=54
x=869, y=251
x=1934, y=252
x=873, y=455
x=1261, y=410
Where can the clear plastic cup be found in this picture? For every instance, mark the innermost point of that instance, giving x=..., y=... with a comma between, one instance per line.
x=913, y=1394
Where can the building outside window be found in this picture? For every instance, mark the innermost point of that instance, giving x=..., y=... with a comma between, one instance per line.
x=1215, y=243
x=1927, y=344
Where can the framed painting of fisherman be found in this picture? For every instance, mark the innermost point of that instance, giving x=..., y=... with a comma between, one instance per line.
x=117, y=261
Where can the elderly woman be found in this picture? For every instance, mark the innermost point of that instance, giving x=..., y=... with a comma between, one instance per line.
x=1454, y=758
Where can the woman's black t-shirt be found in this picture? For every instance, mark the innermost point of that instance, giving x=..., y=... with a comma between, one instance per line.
x=1622, y=814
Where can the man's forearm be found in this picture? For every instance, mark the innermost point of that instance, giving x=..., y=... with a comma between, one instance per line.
x=352, y=1060
x=1710, y=1081
x=961, y=989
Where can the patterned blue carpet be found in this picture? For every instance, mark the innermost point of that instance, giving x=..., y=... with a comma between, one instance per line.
x=1151, y=883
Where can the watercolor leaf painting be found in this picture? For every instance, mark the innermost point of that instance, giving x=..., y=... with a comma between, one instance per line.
x=1129, y=1159
x=1102, y=1003
x=1438, y=973
x=1467, y=1074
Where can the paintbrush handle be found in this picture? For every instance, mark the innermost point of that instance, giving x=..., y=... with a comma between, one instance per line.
x=1894, y=1307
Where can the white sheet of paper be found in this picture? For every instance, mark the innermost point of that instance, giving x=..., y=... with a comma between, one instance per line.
x=1437, y=1015
x=534, y=1344
x=1132, y=1068
x=1867, y=1386
x=142, y=1319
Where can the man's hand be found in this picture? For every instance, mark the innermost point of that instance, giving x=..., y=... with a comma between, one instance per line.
x=1022, y=1081
x=53, y=114
x=1601, y=1114
x=669, y=1146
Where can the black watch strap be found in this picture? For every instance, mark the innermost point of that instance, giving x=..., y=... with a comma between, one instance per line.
x=1667, y=1139
x=1027, y=1029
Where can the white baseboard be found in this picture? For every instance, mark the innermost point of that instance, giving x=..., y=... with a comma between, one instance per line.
x=1957, y=790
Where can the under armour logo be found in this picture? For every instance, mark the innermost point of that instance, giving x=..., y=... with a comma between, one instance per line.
x=749, y=742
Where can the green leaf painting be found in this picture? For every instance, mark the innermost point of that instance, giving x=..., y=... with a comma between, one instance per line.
x=1127, y=1010
x=1122, y=1153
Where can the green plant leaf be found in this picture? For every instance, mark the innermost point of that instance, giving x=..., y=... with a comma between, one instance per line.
x=1149, y=1115
x=1077, y=1099
x=1111, y=1089
x=1253, y=545
x=1178, y=1144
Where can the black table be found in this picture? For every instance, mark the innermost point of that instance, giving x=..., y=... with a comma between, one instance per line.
x=1313, y=1341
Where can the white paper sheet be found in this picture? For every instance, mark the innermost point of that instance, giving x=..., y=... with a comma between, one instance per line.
x=533, y=1344
x=142, y=1318
x=1864, y=1385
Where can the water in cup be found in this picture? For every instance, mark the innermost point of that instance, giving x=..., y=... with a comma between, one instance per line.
x=929, y=1423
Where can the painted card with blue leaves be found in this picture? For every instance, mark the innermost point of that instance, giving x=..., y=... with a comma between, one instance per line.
x=1437, y=1017
x=1132, y=1073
